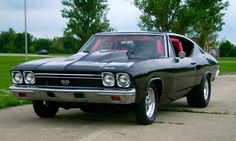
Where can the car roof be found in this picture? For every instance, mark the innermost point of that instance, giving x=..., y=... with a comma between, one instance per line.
x=143, y=33
x=131, y=33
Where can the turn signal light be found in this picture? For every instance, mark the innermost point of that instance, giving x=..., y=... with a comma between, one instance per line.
x=115, y=98
x=22, y=95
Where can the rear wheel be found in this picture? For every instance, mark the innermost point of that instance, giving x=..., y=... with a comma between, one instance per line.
x=45, y=109
x=146, y=110
x=201, y=94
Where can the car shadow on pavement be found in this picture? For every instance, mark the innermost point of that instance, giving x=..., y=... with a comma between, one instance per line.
x=76, y=117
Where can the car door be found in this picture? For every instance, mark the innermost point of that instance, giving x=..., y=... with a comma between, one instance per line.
x=184, y=74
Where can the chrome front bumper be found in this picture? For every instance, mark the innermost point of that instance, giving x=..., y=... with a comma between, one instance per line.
x=69, y=95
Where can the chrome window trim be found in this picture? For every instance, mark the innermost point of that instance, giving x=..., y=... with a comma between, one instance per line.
x=165, y=44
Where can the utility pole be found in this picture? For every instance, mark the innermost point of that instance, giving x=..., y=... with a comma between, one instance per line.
x=26, y=40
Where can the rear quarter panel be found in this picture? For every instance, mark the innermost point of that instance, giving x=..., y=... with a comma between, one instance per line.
x=206, y=63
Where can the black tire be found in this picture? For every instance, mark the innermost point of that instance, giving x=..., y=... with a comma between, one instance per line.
x=141, y=112
x=201, y=94
x=45, y=109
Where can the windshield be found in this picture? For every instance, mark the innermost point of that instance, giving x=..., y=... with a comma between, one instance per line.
x=140, y=46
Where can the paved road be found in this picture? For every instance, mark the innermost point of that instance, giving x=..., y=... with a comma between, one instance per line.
x=21, y=124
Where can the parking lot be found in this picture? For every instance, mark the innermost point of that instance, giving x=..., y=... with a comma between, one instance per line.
x=175, y=122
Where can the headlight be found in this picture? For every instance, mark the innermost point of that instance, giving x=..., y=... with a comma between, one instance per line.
x=123, y=80
x=29, y=77
x=17, y=77
x=108, y=79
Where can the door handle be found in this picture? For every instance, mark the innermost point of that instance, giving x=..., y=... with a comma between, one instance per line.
x=176, y=60
x=193, y=63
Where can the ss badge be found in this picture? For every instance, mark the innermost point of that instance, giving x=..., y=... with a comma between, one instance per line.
x=65, y=82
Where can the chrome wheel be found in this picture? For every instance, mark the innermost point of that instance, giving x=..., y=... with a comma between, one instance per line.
x=206, y=90
x=150, y=102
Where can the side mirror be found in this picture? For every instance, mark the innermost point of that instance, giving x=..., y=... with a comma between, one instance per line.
x=182, y=54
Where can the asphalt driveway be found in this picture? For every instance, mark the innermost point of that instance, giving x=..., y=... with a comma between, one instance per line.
x=216, y=122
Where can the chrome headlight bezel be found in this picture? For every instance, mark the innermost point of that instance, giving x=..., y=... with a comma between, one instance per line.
x=124, y=84
x=29, y=77
x=17, y=81
x=106, y=75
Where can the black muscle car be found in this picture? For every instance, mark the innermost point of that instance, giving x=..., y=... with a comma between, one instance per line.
x=141, y=70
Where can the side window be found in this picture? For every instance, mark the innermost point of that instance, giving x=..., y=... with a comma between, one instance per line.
x=182, y=44
x=188, y=47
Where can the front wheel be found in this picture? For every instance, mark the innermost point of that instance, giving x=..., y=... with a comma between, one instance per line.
x=201, y=94
x=146, y=110
x=45, y=109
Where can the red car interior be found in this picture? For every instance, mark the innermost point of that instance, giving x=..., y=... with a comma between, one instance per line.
x=159, y=47
x=177, y=44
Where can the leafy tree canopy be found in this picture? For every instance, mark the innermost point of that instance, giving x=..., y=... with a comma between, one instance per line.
x=200, y=19
x=86, y=17
x=227, y=49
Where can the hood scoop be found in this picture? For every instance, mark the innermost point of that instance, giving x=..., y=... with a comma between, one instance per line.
x=105, y=56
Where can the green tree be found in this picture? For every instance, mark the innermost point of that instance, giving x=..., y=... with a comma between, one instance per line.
x=68, y=45
x=71, y=44
x=208, y=20
x=7, y=41
x=233, y=52
x=200, y=19
x=20, y=42
x=227, y=49
x=57, y=45
x=163, y=15
x=12, y=42
x=86, y=17
x=39, y=44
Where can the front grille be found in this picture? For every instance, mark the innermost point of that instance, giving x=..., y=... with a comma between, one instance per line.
x=68, y=80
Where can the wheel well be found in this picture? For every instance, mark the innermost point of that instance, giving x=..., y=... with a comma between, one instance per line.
x=209, y=74
x=159, y=85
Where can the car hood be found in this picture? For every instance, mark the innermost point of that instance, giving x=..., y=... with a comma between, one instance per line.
x=86, y=62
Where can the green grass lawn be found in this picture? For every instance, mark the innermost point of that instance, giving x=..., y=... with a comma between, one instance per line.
x=227, y=59
x=227, y=65
x=8, y=100
x=6, y=63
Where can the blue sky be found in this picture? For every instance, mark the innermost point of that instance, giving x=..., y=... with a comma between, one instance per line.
x=44, y=17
